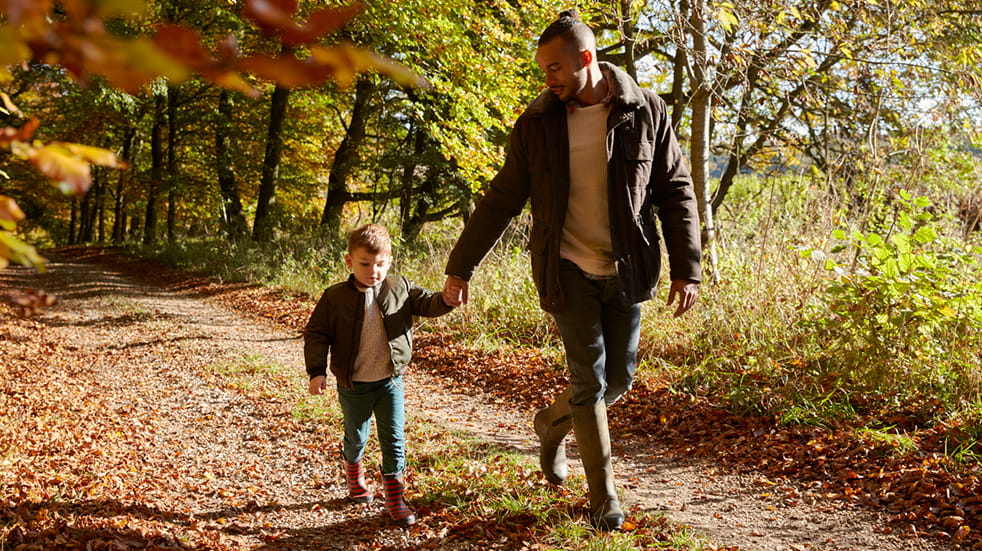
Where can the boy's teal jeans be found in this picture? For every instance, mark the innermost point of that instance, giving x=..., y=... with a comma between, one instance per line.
x=386, y=400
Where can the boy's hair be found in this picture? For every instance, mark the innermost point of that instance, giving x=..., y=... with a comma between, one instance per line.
x=371, y=237
x=573, y=31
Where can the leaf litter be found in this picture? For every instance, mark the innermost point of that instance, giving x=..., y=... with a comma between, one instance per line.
x=115, y=437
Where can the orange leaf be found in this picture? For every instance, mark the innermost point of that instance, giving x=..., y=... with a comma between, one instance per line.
x=285, y=70
x=271, y=16
x=9, y=212
x=345, y=61
x=22, y=11
x=320, y=23
x=22, y=134
x=182, y=44
x=71, y=173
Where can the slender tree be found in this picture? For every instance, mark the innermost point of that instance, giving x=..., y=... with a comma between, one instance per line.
x=262, y=229
x=347, y=156
x=122, y=178
x=232, y=216
x=172, y=182
x=156, y=166
x=702, y=101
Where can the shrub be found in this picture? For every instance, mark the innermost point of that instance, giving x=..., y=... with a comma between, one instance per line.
x=901, y=307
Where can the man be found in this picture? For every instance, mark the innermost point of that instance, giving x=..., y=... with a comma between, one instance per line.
x=597, y=157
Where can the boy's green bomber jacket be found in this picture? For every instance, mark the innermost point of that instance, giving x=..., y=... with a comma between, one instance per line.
x=335, y=325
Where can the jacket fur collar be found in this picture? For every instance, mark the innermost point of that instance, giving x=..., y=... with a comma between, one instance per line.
x=626, y=92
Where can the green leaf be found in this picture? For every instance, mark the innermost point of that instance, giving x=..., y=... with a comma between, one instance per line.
x=902, y=242
x=881, y=253
x=926, y=262
x=925, y=235
x=905, y=262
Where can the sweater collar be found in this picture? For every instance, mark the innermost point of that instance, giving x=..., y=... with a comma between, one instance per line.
x=357, y=286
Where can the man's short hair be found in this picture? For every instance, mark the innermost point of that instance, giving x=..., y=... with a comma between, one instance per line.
x=372, y=237
x=573, y=31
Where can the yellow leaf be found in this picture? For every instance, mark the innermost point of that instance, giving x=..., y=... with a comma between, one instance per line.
x=12, y=48
x=9, y=108
x=232, y=80
x=346, y=61
x=95, y=155
x=144, y=54
x=728, y=20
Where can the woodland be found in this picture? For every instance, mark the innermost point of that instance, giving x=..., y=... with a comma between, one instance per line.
x=835, y=147
x=228, y=124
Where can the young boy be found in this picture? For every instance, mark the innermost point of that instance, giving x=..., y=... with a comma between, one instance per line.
x=366, y=323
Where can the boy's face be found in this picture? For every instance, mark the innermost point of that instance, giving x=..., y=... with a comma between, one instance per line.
x=369, y=268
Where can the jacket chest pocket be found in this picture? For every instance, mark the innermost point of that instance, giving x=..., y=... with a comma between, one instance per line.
x=636, y=149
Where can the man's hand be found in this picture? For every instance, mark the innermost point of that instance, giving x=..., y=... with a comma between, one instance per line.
x=688, y=292
x=318, y=385
x=455, y=291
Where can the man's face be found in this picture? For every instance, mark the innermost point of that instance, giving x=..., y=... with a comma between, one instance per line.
x=566, y=74
x=369, y=268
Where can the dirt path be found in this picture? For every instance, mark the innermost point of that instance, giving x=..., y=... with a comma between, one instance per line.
x=263, y=480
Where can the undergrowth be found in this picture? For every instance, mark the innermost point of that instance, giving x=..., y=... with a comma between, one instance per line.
x=824, y=314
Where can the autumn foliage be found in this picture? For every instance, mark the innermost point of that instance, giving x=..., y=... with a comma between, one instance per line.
x=72, y=34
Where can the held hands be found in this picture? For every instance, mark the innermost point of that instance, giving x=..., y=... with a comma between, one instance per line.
x=687, y=291
x=455, y=291
x=318, y=385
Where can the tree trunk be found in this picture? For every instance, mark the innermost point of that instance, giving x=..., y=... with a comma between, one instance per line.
x=84, y=217
x=156, y=169
x=677, y=101
x=630, y=37
x=262, y=228
x=134, y=226
x=119, y=208
x=73, y=222
x=406, y=185
x=701, y=120
x=172, y=98
x=100, y=205
x=232, y=217
x=346, y=158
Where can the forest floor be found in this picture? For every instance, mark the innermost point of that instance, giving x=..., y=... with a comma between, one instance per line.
x=116, y=432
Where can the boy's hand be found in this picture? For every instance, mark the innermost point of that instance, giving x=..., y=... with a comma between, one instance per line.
x=318, y=385
x=455, y=291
